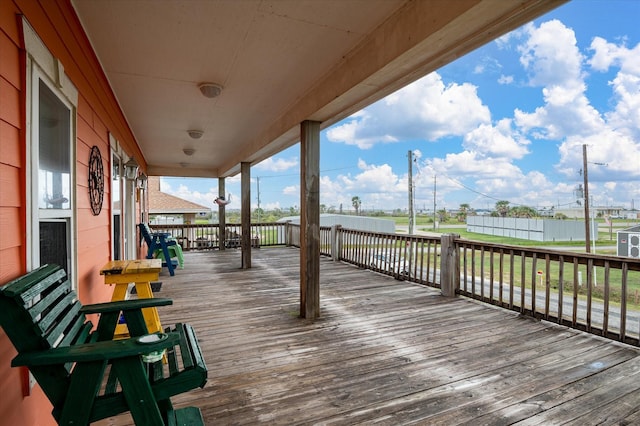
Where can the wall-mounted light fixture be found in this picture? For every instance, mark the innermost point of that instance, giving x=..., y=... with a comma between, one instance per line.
x=131, y=169
x=142, y=181
x=210, y=90
x=195, y=134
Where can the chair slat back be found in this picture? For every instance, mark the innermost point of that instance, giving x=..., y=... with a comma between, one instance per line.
x=146, y=233
x=40, y=310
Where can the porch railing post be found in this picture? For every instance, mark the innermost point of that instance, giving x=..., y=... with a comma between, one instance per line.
x=449, y=265
x=287, y=233
x=335, y=242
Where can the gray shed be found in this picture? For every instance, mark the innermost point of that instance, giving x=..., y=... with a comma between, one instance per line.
x=629, y=242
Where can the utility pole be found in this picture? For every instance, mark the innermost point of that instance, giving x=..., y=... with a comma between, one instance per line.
x=410, y=155
x=258, y=188
x=585, y=175
x=434, y=201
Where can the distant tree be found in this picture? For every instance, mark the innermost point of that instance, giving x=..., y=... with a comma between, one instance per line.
x=463, y=212
x=502, y=208
x=258, y=213
x=323, y=208
x=561, y=216
x=331, y=209
x=356, y=203
x=443, y=215
x=523, y=211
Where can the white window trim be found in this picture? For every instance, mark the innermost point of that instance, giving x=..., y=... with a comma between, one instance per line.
x=42, y=65
x=116, y=150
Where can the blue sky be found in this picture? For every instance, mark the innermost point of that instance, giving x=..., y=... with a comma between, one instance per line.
x=505, y=122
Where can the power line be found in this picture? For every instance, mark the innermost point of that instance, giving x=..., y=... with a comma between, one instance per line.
x=475, y=191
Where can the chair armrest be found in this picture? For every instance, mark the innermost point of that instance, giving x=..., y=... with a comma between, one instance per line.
x=125, y=305
x=98, y=351
x=164, y=236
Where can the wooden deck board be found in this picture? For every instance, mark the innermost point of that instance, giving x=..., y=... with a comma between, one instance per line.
x=383, y=352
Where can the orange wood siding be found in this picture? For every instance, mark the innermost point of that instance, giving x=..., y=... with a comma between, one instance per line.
x=97, y=114
x=12, y=221
x=14, y=407
x=94, y=232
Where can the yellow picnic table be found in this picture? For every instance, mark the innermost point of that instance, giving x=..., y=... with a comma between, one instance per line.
x=141, y=272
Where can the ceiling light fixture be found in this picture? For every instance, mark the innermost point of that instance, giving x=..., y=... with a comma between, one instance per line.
x=210, y=90
x=184, y=164
x=195, y=134
x=188, y=151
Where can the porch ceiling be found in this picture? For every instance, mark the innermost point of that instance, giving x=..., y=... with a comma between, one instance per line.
x=280, y=62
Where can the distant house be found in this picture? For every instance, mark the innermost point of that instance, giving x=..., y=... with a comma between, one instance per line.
x=597, y=211
x=169, y=209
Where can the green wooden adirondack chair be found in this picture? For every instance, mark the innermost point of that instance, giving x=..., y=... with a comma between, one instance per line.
x=86, y=375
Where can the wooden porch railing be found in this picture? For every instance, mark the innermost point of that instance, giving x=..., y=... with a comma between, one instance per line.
x=207, y=236
x=590, y=292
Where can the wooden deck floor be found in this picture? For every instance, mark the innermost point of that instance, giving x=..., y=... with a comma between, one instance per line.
x=385, y=352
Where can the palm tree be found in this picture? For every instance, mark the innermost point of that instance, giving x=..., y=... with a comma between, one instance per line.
x=502, y=207
x=355, y=202
x=523, y=211
x=463, y=212
x=443, y=215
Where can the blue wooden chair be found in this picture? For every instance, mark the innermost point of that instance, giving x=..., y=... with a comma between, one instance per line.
x=161, y=245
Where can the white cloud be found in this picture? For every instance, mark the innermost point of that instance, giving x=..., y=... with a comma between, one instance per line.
x=498, y=141
x=553, y=60
x=626, y=116
x=619, y=154
x=551, y=55
x=272, y=164
x=505, y=79
x=608, y=54
x=473, y=164
x=291, y=190
x=426, y=109
x=186, y=193
x=377, y=186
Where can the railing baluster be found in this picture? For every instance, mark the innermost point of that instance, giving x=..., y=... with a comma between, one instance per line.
x=473, y=271
x=589, y=291
x=482, y=273
x=534, y=273
x=576, y=283
x=623, y=302
x=501, y=282
x=491, y=273
x=605, y=313
x=523, y=281
x=560, y=288
x=465, y=265
x=547, y=282
x=512, y=281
